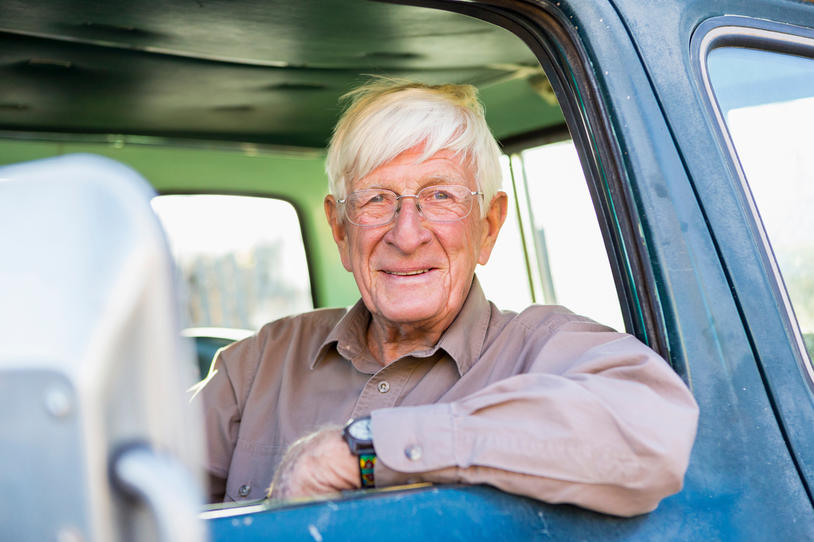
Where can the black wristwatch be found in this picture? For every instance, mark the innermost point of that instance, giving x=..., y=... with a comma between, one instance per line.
x=359, y=436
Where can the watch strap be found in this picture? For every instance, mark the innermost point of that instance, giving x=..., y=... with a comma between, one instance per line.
x=364, y=452
x=367, y=467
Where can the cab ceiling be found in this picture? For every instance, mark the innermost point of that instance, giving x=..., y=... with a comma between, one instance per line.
x=244, y=70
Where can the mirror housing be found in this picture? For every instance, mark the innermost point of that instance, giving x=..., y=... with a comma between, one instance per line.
x=93, y=368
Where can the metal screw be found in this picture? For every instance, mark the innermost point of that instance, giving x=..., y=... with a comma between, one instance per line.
x=58, y=402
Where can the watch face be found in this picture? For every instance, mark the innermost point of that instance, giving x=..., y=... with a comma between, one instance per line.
x=360, y=430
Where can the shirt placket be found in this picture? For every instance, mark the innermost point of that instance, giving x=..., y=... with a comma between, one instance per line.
x=384, y=388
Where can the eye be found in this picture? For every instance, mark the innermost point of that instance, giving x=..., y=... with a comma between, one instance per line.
x=367, y=199
x=439, y=195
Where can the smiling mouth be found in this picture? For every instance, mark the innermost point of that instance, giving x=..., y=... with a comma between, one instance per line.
x=408, y=273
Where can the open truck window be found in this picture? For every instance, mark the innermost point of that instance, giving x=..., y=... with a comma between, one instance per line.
x=235, y=118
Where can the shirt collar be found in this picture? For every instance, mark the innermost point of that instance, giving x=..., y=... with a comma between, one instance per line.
x=348, y=336
x=462, y=340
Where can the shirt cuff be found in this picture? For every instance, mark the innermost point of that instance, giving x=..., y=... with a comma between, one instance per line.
x=413, y=439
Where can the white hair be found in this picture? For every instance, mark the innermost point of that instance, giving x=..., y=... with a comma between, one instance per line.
x=387, y=117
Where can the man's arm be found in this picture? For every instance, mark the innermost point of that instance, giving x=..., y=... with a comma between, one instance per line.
x=609, y=429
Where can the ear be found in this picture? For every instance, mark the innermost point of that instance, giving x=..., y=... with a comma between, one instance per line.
x=493, y=221
x=338, y=229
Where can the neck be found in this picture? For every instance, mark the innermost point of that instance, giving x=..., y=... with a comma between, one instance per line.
x=388, y=342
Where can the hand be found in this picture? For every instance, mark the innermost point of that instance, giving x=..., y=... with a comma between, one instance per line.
x=318, y=464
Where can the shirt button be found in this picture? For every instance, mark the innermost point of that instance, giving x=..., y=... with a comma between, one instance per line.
x=244, y=490
x=413, y=452
x=384, y=387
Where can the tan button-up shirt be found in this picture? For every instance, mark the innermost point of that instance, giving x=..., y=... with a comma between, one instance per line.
x=543, y=403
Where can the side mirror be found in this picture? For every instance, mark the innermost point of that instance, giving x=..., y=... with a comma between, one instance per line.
x=97, y=438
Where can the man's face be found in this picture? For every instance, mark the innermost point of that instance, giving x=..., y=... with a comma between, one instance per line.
x=414, y=272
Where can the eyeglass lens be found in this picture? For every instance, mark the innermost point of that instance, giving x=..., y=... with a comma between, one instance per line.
x=443, y=203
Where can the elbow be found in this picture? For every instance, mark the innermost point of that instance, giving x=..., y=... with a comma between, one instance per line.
x=665, y=478
x=660, y=470
x=638, y=494
x=660, y=475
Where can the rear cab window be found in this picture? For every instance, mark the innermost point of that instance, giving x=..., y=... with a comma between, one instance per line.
x=241, y=263
x=242, y=258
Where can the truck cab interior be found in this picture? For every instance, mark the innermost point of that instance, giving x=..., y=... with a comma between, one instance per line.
x=240, y=99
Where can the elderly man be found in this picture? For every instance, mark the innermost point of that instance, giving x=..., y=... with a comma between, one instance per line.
x=438, y=383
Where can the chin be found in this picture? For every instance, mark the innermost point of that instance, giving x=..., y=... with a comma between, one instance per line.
x=410, y=313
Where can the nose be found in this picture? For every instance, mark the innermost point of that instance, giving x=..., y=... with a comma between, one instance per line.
x=408, y=232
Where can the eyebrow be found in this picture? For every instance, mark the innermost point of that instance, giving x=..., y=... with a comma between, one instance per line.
x=432, y=180
x=435, y=181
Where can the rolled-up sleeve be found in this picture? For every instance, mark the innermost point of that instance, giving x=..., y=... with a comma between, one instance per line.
x=597, y=419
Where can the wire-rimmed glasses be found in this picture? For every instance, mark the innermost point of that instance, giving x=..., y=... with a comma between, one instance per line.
x=437, y=203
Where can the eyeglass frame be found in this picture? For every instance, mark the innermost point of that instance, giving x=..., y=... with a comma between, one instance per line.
x=397, y=208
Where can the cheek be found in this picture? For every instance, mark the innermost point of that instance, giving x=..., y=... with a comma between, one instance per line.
x=360, y=249
x=462, y=248
x=468, y=244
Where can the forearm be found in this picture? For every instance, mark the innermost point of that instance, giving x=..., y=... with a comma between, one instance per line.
x=617, y=440
x=607, y=498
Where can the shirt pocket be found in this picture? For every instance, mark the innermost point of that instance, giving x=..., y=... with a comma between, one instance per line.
x=251, y=470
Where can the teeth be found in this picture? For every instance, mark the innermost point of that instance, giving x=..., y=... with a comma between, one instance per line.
x=407, y=273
